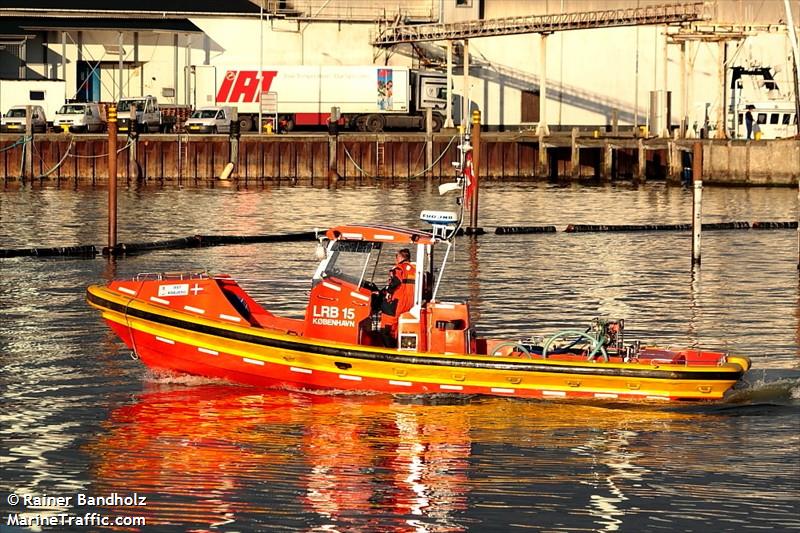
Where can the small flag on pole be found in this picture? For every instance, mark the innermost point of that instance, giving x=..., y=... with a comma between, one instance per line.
x=469, y=175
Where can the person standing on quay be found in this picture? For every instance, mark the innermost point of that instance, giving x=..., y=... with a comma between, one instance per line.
x=748, y=121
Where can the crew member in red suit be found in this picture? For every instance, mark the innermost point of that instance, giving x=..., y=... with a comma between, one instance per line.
x=398, y=295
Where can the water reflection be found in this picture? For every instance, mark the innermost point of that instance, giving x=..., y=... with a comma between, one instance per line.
x=613, y=450
x=695, y=306
x=197, y=451
x=214, y=454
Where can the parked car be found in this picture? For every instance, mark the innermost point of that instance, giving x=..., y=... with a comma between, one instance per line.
x=211, y=120
x=149, y=118
x=79, y=117
x=14, y=120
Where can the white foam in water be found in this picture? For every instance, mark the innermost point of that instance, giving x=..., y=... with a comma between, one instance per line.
x=166, y=377
x=767, y=384
x=796, y=392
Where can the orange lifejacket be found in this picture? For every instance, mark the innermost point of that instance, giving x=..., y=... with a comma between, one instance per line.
x=404, y=294
x=399, y=293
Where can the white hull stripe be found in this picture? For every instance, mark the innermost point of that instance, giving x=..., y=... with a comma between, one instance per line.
x=352, y=236
x=360, y=296
x=126, y=290
x=300, y=370
x=400, y=383
x=253, y=361
x=159, y=300
x=351, y=378
x=379, y=237
x=559, y=393
x=331, y=286
x=502, y=390
x=657, y=398
x=606, y=395
x=194, y=309
x=167, y=341
x=207, y=351
x=451, y=387
x=230, y=317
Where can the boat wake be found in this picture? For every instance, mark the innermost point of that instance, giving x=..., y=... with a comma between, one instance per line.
x=764, y=385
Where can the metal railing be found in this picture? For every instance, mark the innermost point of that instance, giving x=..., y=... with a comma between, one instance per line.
x=391, y=34
x=354, y=10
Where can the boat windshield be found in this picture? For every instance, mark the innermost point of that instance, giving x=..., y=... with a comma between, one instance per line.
x=353, y=261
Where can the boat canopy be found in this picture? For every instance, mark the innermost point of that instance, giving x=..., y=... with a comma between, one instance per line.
x=378, y=233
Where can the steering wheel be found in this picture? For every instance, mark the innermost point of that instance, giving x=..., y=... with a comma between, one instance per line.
x=596, y=345
x=516, y=348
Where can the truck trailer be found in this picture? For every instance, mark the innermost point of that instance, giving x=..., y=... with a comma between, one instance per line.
x=368, y=98
x=49, y=94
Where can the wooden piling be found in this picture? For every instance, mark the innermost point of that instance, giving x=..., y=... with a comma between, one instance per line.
x=575, y=156
x=180, y=162
x=111, y=114
x=543, y=163
x=697, y=205
x=674, y=166
x=641, y=161
x=607, y=161
x=233, y=151
x=133, y=153
x=27, y=168
x=428, y=142
x=333, y=159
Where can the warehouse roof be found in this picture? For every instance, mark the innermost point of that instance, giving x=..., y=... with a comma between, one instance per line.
x=126, y=8
x=28, y=25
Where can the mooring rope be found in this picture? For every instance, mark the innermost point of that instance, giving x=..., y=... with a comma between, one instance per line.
x=130, y=142
x=21, y=140
x=363, y=172
x=57, y=165
x=446, y=148
x=68, y=153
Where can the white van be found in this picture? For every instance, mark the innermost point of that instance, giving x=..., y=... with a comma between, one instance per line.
x=14, y=120
x=79, y=117
x=211, y=120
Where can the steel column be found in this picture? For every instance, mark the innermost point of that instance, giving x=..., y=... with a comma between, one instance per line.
x=542, y=128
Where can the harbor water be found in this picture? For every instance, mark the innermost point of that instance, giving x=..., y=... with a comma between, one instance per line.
x=80, y=419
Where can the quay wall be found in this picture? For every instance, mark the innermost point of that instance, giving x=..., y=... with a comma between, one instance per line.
x=311, y=157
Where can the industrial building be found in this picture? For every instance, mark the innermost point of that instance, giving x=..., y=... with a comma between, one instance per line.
x=596, y=74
